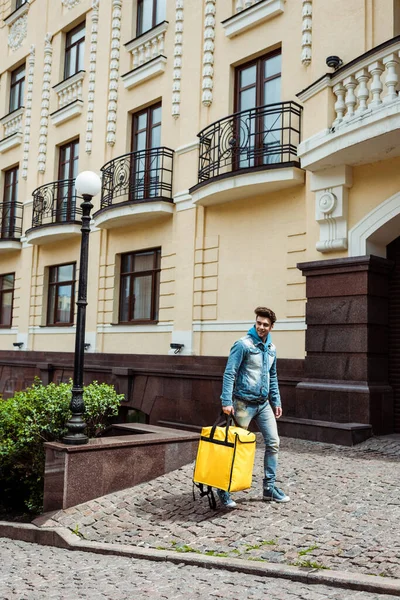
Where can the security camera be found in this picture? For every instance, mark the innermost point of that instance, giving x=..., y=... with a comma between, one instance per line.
x=18, y=344
x=334, y=62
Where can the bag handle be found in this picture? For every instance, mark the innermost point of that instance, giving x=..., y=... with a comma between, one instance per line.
x=229, y=419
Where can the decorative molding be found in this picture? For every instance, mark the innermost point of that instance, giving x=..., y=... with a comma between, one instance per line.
x=251, y=14
x=12, y=122
x=331, y=207
x=11, y=142
x=148, y=46
x=176, y=86
x=153, y=328
x=70, y=89
x=114, y=69
x=208, y=52
x=70, y=3
x=146, y=71
x=67, y=112
x=376, y=229
x=18, y=32
x=92, y=75
x=28, y=112
x=306, y=41
x=291, y=324
x=44, y=113
x=18, y=13
x=183, y=201
x=187, y=147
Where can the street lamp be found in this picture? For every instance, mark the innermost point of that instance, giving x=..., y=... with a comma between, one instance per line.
x=88, y=184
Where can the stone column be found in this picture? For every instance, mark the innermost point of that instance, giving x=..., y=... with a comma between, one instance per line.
x=346, y=367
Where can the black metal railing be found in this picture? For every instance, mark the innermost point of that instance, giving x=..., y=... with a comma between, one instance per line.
x=263, y=137
x=56, y=202
x=140, y=176
x=11, y=220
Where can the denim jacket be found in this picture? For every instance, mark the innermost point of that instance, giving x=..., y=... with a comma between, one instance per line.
x=250, y=372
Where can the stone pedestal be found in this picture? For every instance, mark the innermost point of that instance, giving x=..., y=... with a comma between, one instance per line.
x=346, y=367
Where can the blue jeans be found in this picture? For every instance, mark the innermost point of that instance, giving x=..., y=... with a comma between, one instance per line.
x=265, y=418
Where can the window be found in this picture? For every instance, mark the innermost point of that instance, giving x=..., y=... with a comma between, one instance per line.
x=139, y=286
x=149, y=14
x=9, y=205
x=258, y=84
x=67, y=172
x=146, y=138
x=74, y=51
x=19, y=3
x=60, y=303
x=17, y=88
x=6, y=299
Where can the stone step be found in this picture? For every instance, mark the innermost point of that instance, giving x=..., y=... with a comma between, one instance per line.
x=330, y=432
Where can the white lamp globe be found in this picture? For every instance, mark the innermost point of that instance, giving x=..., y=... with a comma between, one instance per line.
x=88, y=183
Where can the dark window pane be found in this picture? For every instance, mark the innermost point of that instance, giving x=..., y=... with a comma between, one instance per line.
x=76, y=34
x=125, y=293
x=273, y=66
x=8, y=282
x=142, y=297
x=66, y=273
x=51, y=304
x=64, y=301
x=145, y=16
x=6, y=308
x=248, y=76
x=144, y=261
x=127, y=263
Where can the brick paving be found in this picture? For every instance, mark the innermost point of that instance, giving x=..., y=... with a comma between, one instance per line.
x=343, y=515
x=31, y=572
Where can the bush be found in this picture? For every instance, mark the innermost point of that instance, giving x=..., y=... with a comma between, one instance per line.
x=37, y=415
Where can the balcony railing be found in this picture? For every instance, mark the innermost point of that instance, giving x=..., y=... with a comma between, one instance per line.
x=56, y=203
x=259, y=138
x=11, y=220
x=142, y=176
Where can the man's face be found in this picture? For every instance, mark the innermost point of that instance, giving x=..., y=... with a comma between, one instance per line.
x=263, y=326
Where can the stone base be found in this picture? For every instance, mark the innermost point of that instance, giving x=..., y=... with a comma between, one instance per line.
x=134, y=454
x=344, y=434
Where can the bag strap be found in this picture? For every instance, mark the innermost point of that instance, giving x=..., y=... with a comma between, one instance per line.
x=206, y=492
x=229, y=419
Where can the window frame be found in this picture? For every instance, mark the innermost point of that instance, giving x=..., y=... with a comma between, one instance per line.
x=79, y=45
x=2, y=292
x=19, y=3
x=13, y=185
x=139, y=17
x=155, y=287
x=56, y=284
x=19, y=86
x=260, y=79
x=68, y=214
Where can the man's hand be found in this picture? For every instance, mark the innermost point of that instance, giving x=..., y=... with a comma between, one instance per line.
x=228, y=410
x=278, y=411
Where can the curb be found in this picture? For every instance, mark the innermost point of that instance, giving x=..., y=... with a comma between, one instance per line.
x=60, y=537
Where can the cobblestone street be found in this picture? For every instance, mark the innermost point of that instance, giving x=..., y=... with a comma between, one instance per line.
x=343, y=515
x=31, y=572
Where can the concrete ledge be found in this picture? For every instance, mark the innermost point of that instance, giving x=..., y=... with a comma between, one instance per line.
x=60, y=537
x=344, y=434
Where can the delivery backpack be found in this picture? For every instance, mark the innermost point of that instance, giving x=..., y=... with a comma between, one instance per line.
x=225, y=459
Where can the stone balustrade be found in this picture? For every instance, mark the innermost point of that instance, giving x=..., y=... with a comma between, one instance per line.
x=70, y=89
x=12, y=122
x=368, y=86
x=148, y=46
x=242, y=4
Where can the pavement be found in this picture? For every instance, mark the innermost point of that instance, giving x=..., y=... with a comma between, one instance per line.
x=340, y=528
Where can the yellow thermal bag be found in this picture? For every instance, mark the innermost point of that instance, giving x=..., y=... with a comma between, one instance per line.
x=225, y=457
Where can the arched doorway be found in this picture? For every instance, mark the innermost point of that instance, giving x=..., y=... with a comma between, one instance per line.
x=393, y=253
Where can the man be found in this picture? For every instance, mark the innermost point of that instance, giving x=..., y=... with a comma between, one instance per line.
x=250, y=391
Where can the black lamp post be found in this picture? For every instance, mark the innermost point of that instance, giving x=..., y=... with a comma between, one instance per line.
x=88, y=184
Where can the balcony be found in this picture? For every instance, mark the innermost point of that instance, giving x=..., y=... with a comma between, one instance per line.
x=12, y=127
x=250, y=153
x=365, y=124
x=70, y=98
x=148, y=58
x=55, y=215
x=10, y=226
x=136, y=187
x=250, y=13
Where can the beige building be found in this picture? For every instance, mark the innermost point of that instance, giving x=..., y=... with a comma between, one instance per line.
x=231, y=150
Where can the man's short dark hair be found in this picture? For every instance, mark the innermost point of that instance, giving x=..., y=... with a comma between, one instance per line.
x=263, y=311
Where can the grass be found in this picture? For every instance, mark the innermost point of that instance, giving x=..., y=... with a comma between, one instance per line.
x=307, y=550
x=310, y=564
x=260, y=545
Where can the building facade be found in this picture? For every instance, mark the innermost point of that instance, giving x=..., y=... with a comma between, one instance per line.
x=249, y=156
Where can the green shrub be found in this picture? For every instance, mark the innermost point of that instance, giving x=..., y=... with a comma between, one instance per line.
x=38, y=415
